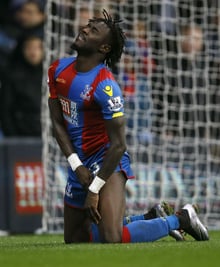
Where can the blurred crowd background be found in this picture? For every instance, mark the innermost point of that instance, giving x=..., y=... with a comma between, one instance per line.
x=21, y=60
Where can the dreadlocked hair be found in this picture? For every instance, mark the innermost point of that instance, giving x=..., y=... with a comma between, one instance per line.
x=117, y=39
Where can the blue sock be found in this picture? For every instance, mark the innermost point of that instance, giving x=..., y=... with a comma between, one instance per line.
x=94, y=234
x=149, y=230
x=129, y=219
x=143, y=230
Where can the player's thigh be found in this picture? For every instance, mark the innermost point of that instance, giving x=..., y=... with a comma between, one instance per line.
x=76, y=225
x=112, y=207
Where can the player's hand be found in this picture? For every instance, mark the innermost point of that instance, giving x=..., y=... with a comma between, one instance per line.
x=84, y=175
x=91, y=204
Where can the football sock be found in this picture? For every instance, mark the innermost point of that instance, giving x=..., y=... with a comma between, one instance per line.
x=94, y=235
x=143, y=230
x=149, y=230
x=129, y=219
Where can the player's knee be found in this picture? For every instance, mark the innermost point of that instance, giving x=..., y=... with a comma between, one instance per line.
x=112, y=236
x=68, y=240
x=75, y=239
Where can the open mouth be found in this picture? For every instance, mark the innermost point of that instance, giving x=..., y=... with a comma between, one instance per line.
x=80, y=37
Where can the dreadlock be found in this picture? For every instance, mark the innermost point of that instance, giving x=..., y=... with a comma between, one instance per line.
x=117, y=39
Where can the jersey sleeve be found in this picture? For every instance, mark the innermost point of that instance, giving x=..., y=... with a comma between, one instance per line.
x=109, y=96
x=51, y=79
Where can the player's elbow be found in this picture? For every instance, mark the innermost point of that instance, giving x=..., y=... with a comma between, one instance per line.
x=120, y=148
x=123, y=148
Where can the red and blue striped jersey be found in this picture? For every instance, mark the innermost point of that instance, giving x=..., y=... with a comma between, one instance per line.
x=87, y=99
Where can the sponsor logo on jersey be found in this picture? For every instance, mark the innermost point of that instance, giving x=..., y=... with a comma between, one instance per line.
x=117, y=114
x=108, y=90
x=85, y=95
x=69, y=109
x=60, y=80
x=115, y=104
x=65, y=103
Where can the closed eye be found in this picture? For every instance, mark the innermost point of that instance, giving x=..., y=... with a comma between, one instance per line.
x=92, y=27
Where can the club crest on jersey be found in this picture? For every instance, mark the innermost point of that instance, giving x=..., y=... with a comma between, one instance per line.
x=115, y=103
x=108, y=90
x=69, y=109
x=85, y=95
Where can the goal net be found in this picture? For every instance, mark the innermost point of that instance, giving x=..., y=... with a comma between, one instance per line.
x=169, y=75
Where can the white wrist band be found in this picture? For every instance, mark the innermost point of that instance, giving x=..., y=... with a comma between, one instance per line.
x=74, y=161
x=96, y=185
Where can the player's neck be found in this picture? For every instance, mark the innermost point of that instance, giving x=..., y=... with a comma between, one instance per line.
x=85, y=64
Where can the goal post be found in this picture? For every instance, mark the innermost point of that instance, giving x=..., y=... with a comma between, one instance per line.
x=169, y=74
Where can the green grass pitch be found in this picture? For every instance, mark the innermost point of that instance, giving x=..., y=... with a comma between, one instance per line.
x=49, y=250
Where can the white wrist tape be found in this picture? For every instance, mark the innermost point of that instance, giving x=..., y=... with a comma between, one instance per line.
x=96, y=185
x=74, y=161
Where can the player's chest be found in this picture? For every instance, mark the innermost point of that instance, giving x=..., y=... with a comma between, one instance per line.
x=77, y=88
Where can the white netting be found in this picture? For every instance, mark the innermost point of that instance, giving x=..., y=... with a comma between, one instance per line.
x=169, y=74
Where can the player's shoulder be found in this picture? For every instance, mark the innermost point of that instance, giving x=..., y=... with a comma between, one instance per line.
x=105, y=73
x=61, y=64
x=107, y=84
x=66, y=60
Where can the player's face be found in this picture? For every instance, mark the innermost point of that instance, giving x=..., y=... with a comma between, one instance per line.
x=91, y=37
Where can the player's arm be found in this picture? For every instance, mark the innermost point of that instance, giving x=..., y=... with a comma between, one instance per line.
x=64, y=142
x=59, y=129
x=116, y=133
